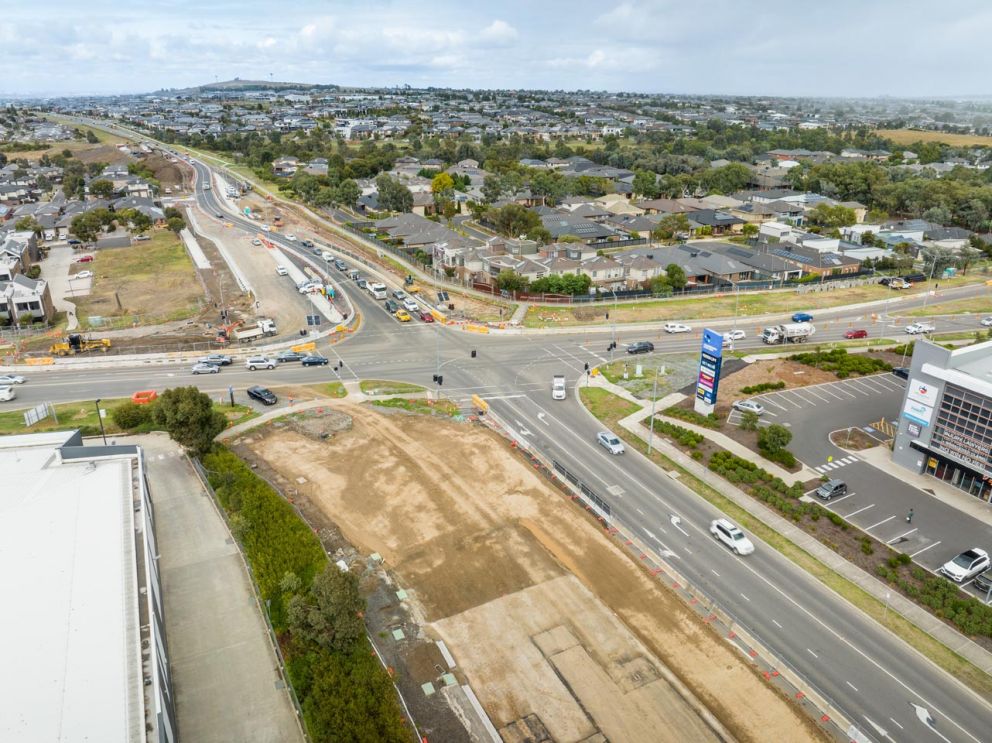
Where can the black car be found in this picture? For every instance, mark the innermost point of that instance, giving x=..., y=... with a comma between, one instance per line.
x=914, y=278
x=284, y=356
x=885, y=280
x=217, y=359
x=314, y=360
x=263, y=394
x=74, y=242
x=901, y=371
x=219, y=215
x=640, y=347
x=392, y=307
x=340, y=265
x=306, y=243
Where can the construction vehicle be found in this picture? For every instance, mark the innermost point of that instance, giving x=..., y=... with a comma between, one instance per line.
x=261, y=328
x=790, y=332
x=76, y=343
x=224, y=331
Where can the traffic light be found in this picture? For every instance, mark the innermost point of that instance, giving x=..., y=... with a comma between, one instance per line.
x=473, y=353
x=438, y=379
x=587, y=366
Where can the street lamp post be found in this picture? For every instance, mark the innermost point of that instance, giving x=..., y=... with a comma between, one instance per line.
x=99, y=417
x=654, y=402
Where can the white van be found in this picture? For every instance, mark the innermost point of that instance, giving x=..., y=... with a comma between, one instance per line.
x=377, y=290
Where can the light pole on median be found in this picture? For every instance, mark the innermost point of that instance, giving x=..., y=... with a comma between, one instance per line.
x=99, y=417
x=654, y=402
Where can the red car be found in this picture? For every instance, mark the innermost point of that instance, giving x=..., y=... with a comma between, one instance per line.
x=856, y=334
x=84, y=259
x=426, y=317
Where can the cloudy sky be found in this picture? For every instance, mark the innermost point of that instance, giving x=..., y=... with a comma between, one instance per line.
x=800, y=47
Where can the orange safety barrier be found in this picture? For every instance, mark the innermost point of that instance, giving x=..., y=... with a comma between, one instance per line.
x=143, y=397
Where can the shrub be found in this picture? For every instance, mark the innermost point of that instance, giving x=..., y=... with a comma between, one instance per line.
x=129, y=416
x=774, y=438
x=682, y=435
x=697, y=455
x=754, y=389
x=33, y=272
x=783, y=457
x=841, y=363
x=749, y=421
x=866, y=546
x=691, y=416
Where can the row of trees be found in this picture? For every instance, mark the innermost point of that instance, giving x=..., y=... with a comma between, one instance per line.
x=674, y=279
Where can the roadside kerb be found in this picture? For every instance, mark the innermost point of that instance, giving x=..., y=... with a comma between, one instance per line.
x=813, y=703
x=915, y=615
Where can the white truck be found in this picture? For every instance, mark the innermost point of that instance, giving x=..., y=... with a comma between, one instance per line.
x=378, y=291
x=790, y=332
x=261, y=328
x=558, y=387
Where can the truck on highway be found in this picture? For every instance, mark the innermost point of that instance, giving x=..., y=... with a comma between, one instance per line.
x=790, y=332
x=261, y=328
x=558, y=387
x=378, y=291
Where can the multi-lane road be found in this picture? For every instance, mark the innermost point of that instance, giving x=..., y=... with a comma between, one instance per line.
x=871, y=677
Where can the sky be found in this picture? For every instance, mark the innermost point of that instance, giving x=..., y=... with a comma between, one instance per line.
x=748, y=47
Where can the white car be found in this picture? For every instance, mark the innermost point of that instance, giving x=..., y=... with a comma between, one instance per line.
x=7, y=394
x=205, y=368
x=987, y=321
x=83, y=275
x=291, y=237
x=676, y=327
x=610, y=442
x=281, y=270
x=411, y=305
x=733, y=335
x=748, y=406
x=260, y=362
x=919, y=328
x=256, y=241
x=966, y=565
x=266, y=228
x=9, y=379
x=731, y=535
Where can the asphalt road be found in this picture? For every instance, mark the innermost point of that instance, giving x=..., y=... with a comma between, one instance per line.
x=873, y=678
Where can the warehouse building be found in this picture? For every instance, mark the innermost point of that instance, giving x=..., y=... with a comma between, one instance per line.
x=945, y=422
x=85, y=655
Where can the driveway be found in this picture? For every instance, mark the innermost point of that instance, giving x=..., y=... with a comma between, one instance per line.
x=55, y=270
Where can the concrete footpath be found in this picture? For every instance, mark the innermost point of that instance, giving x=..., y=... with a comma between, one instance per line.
x=918, y=616
x=227, y=681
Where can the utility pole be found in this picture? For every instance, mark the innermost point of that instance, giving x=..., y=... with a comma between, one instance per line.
x=654, y=402
x=99, y=417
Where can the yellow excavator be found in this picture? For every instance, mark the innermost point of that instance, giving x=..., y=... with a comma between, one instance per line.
x=76, y=343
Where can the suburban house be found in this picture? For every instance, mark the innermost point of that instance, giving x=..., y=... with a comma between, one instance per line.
x=560, y=225
x=702, y=266
x=605, y=272
x=721, y=223
x=812, y=261
x=22, y=296
x=285, y=167
x=640, y=268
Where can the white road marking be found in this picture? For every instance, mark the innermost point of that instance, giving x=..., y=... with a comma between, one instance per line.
x=540, y=417
x=714, y=572
x=883, y=521
x=855, y=513
x=639, y=511
x=745, y=597
x=812, y=653
x=851, y=685
x=649, y=534
x=501, y=397
x=919, y=552
x=897, y=724
x=896, y=539
x=777, y=624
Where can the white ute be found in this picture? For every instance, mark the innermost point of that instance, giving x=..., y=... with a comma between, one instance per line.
x=558, y=387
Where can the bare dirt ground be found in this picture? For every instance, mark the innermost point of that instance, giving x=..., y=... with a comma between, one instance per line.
x=554, y=627
x=792, y=373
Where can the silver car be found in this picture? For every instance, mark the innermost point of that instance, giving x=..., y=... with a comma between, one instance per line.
x=610, y=442
x=7, y=379
x=205, y=368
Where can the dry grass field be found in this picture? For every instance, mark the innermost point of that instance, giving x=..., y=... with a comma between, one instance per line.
x=909, y=136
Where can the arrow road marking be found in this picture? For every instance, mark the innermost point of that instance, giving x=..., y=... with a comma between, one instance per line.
x=675, y=522
x=878, y=728
x=540, y=417
x=924, y=716
x=523, y=430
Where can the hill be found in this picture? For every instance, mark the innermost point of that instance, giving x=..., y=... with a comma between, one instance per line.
x=238, y=84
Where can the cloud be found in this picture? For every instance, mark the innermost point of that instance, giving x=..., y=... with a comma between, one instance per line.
x=499, y=33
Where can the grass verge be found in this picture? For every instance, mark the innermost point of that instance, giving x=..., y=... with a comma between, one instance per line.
x=329, y=389
x=971, y=306
x=441, y=408
x=388, y=387
x=598, y=401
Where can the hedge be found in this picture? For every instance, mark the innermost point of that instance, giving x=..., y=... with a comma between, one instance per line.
x=754, y=389
x=691, y=416
x=841, y=363
x=344, y=696
x=682, y=435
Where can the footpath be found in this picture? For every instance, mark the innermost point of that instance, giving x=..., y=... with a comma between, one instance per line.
x=922, y=619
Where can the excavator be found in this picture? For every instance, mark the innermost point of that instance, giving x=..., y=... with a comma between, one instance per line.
x=76, y=343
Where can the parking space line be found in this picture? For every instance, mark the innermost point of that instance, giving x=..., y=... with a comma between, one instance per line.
x=799, y=394
x=813, y=392
x=896, y=539
x=924, y=549
x=855, y=513
x=883, y=521
x=769, y=400
x=841, y=387
x=863, y=389
x=789, y=400
x=826, y=390
x=876, y=384
x=837, y=500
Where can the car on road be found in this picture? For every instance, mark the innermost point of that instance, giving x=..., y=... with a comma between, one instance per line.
x=266, y=228
x=966, y=565
x=410, y=305
x=403, y=315
x=851, y=334
x=610, y=442
x=260, y=362
x=802, y=317
x=84, y=259
x=263, y=394
x=256, y=241
x=281, y=270
x=307, y=243
x=291, y=237
x=399, y=294
x=7, y=394
x=732, y=536
x=204, y=368
x=426, y=317
x=74, y=242
x=831, y=489
x=676, y=327
x=284, y=356
x=901, y=371
x=748, y=406
x=919, y=328
x=219, y=215
x=217, y=359
x=82, y=275
x=640, y=347
x=9, y=379
x=340, y=265
x=987, y=321
x=141, y=238
x=315, y=360
x=733, y=335
x=391, y=307
x=362, y=283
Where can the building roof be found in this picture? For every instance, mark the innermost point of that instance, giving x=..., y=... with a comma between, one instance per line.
x=67, y=551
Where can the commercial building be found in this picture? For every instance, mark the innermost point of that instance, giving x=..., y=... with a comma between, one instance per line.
x=85, y=655
x=945, y=422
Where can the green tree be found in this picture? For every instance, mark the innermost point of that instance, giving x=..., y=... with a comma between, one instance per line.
x=27, y=224
x=514, y=220
x=774, y=438
x=138, y=220
x=330, y=614
x=492, y=188
x=393, y=195
x=86, y=226
x=348, y=192
x=749, y=421
x=176, y=224
x=831, y=217
x=188, y=416
x=510, y=281
x=91, y=137
x=750, y=230
x=676, y=276
x=671, y=226
x=645, y=184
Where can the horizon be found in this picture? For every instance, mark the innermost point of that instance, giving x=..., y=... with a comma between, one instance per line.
x=647, y=47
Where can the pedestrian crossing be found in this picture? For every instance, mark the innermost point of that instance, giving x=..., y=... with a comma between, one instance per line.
x=836, y=464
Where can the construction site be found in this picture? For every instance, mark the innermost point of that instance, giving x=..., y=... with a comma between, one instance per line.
x=560, y=634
